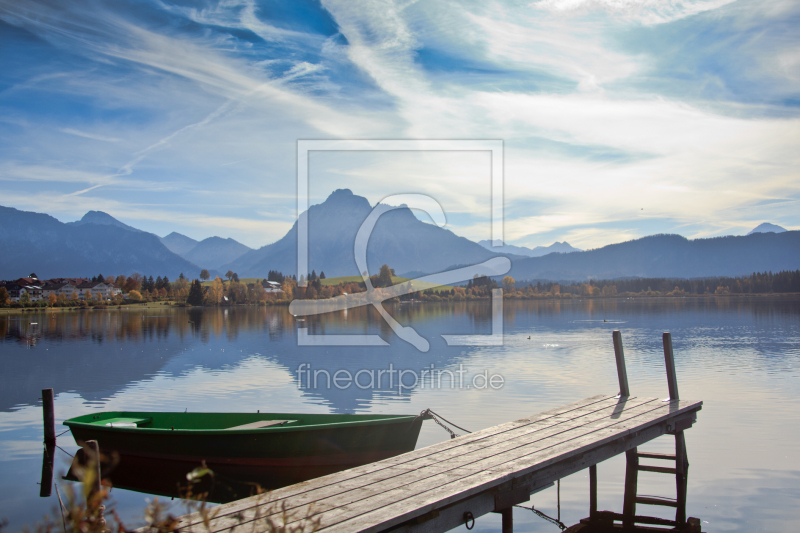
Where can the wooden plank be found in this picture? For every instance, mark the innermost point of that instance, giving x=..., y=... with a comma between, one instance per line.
x=654, y=500
x=380, y=519
x=658, y=469
x=340, y=480
x=486, y=473
x=459, y=461
x=374, y=499
x=651, y=455
x=383, y=496
x=335, y=479
x=451, y=516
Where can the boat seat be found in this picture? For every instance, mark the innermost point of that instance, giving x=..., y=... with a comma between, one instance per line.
x=122, y=422
x=262, y=424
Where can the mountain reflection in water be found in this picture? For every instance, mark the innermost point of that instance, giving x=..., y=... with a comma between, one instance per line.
x=741, y=356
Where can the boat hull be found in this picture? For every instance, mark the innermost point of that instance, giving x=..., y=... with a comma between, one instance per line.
x=154, y=451
x=313, y=440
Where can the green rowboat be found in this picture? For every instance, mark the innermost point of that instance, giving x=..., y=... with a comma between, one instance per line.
x=280, y=440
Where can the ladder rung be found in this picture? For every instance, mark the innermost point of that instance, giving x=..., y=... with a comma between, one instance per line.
x=638, y=519
x=664, y=456
x=648, y=500
x=659, y=469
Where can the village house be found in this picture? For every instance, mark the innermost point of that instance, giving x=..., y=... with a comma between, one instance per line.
x=82, y=288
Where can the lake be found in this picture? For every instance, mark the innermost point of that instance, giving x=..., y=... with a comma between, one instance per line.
x=741, y=356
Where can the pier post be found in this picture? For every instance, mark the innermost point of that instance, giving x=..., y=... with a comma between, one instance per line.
x=48, y=416
x=622, y=373
x=592, y=492
x=669, y=360
x=681, y=458
x=508, y=519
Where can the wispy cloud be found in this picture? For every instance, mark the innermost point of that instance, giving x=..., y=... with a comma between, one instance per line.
x=620, y=117
x=85, y=135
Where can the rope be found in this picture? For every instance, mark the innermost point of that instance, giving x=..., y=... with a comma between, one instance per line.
x=427, y=413
x=544, y=516
x=446, y=420
x=63, y=450
x=67, y=431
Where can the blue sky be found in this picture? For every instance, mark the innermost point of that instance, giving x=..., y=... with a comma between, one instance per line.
x=620, y=118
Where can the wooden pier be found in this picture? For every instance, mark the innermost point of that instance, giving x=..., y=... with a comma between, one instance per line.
x=453, y=483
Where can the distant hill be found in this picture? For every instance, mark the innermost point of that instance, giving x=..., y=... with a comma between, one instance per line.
x=399, y=240
x=766, y=227
x=561, y=247
x=215, y=252
x=669, y=256
x=178, y=243
x=101, y=218
x=35, y=242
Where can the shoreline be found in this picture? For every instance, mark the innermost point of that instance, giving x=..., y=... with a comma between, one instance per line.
x=161, y=305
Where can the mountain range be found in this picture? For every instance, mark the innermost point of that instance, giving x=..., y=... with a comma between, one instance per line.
x=562, y=247
x=98, y=243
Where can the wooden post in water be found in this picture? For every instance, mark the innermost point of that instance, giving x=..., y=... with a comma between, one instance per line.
x=46, y=484
x=48, y=416
x=681, y=458
x=592, y=492
x=622, y=373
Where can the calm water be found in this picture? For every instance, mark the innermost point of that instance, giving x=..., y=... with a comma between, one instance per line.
x=740, y=356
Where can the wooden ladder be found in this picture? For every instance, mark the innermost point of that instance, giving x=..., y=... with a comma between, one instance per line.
x=680, y=459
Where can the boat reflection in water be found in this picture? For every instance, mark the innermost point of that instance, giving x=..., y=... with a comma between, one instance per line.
x=182, y=479
x=245, y=452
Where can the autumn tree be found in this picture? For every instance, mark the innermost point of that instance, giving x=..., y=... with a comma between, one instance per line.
x=215, y=292
x=4, y=298
x=204, y=275
x=508, y=283
x=385, y=276
x=229, y=274
x=135, y=295
x=52, y=299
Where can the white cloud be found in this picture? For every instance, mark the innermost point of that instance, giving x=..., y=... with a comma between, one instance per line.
x=644, y=11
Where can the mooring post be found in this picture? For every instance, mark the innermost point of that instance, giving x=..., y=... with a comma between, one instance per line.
x=681, y=458
x=46, y=484
x=622, y=373
x=48, y=416
x=592, y=492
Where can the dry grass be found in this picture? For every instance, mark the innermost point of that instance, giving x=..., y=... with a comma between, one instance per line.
x=93, y=511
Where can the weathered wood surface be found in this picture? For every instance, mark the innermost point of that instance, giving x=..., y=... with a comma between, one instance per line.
x=430, y=489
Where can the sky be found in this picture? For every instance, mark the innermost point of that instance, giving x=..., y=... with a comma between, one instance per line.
x=619, y=118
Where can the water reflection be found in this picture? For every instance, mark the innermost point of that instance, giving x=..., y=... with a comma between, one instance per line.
x=97, y=353
x=741, y=356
